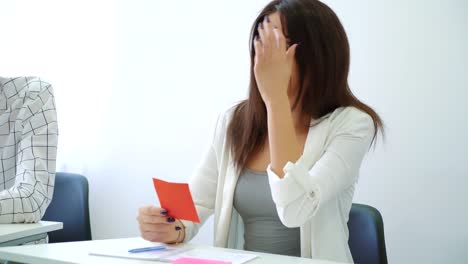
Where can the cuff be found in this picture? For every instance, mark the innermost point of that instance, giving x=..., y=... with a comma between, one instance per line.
x=296, y=182
x=285, y=190
x=189, y=227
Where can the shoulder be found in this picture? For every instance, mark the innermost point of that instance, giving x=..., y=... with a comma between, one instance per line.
x=224, y=118
x=349, y=114
x=29, y=89
x=351, y=120
x=226, y=114
x=28, y=95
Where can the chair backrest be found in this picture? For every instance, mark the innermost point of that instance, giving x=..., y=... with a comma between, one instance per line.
x=366, y=235
x=70, y=206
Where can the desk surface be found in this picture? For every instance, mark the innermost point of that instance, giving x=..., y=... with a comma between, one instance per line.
x=77, y=252
x=10, y=232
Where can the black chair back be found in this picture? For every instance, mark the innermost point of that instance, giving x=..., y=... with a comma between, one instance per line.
x=366, y=235
x=70, y=206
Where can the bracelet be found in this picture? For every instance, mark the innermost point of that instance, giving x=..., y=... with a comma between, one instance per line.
x=178, y=237
x=179, y=233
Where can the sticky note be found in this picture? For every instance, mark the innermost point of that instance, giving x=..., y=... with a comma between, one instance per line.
x=198, y=261
x=177, y=199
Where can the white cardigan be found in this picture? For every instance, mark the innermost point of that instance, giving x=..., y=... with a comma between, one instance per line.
x=315, y=194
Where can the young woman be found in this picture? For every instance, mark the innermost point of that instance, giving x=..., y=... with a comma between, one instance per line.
x=280, y=174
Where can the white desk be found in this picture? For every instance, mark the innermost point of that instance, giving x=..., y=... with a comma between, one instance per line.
x=17, y=234
x=77, y=252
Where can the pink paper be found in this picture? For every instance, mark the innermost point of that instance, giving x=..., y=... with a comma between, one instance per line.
x=198, y=261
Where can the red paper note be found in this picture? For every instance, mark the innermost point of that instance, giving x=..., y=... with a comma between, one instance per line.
x=198, y=261
x=176, y=198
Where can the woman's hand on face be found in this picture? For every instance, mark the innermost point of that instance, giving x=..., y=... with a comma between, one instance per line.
x=156, y=226
x=273, y=62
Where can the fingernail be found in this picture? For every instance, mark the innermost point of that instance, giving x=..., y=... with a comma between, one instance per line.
x=170, y=219
x=177, y=228
x=164, y=212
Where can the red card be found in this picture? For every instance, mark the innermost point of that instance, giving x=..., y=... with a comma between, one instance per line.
x=176, y=198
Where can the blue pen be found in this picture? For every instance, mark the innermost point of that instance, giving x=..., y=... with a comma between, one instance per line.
x=146, y=249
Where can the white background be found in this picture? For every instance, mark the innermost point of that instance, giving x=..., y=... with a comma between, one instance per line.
x=139, y=85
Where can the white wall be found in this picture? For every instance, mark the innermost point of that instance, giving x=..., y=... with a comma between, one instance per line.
x=133, y=78
x=409, y=60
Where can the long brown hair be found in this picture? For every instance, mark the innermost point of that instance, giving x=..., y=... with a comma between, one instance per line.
x=323, y=64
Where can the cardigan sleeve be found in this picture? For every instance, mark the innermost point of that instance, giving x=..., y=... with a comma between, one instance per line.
x=300, y=193
x=203, y=184
x=203, y=188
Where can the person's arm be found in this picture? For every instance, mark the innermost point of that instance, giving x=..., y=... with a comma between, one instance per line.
x=27, y=200
x=157, y=225
x=203, y=183
x=203, y=188
x=299, y=194
x=296, y=191
x=284, y=145
x=273, y=67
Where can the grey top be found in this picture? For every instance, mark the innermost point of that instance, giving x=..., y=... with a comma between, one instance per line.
x=264, y=231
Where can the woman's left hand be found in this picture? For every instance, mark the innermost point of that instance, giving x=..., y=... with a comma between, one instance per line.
x=273, y=63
